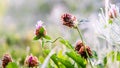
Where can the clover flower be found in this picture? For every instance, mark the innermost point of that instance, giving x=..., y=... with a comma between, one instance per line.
x=31, y=61
x=40, y=30
x=79, y=44
x=6, y=59
x=81, y=49
x=83, y=53
x=69, y=20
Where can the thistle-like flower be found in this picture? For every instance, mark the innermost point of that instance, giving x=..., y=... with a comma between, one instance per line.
x=69, y=20
x=113, y=11
x=81, y=49
x=6, y=59
x=31, y=61
x=40, y=30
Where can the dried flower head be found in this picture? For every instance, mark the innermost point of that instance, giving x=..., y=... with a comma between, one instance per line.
x=69, y=20
x=83, y=53
x=79, y=44
x=31, y=61
x=113, y=11
x=6, y=59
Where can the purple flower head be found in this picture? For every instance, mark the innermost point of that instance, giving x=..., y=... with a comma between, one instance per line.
x=39, y=24
x=31, y=61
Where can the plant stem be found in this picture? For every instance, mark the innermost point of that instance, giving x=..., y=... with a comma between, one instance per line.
x=84, y=45
x=54, y=40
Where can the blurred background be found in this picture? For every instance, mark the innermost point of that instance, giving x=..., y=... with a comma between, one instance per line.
x=19, y=17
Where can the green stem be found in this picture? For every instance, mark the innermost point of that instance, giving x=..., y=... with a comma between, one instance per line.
x=80, y=34
x=54, y=40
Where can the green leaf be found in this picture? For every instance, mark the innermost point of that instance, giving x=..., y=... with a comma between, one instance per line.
x=77, y=58
x=41, y=30
x=94, y=55
x=36, y=38
x=47, y=37
x=12, y=65
x=41, y=59
x=66, y=43
x=105, y=61
x=113, y=56
x=46, y=51
x=67, y=63
x=118, y=56
x=55, y=60
x=100, y=66
x=110, y=21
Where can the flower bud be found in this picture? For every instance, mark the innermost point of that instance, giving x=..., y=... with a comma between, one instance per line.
x=83, y=53
x=69, y=20
x=113, y=11
x=79, y=44
x=6, y=59
x=31, y=61
x=40, y=30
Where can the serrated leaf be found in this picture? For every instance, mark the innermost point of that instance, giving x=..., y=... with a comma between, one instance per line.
x=36, y=38
x=118, y=56
x=47, y=37
x=12, y=65
x=77, y=58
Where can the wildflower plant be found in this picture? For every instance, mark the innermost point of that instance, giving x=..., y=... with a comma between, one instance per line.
x=79, y=55
x=41, y=33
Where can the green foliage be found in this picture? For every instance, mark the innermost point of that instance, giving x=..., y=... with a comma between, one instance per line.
x=12, y=65
x=66, y=43
x=94, y=55
x=105, y=61
x=36, y=38
x=47, y=37
x=118, y=56
x=110, y=21
x=77, y=58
